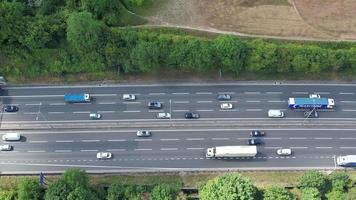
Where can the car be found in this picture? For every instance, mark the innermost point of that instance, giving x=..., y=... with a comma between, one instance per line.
x=154, y=105
x=5, y=147
x=11, y=108
x=192, y=115
x=311, y=114
x=314, y=95
x=284, y=152
x=129, y=97
x=143, y=133
x=95, y=116
x=164, y=115
x=255, y=133
x=226, y=106
x=224, y=97
x=254, y=141
x=103, y=155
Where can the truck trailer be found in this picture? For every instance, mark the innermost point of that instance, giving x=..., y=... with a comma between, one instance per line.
x=231, y=151
x=311, y=103
x=77, y=98
x=346, y=161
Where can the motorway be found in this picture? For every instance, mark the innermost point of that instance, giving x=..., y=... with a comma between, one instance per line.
x=170, y=148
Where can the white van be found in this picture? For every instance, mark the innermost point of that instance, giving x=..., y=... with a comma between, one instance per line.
x=275, y=113
x=11, y=137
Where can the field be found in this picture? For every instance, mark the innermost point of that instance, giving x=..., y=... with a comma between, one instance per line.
x=299, y=19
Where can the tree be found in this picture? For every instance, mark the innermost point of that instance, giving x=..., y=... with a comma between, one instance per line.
x=231, y=53
x=313, y=179
x=57, y=190
x=29, y=189
x=76, y=178
x=277, y=193
x=81, y=193
x=162, y=192
x=262, y=57
x=351, y=195
x=144, y=57
x=228, y=187
x=115, y=192
x=336, y=195
x=339, y=180
x=310, y=193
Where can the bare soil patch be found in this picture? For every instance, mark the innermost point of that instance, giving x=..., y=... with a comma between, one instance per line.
x=316, y=19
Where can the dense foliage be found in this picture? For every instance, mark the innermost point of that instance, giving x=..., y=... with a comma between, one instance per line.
x=55, y=38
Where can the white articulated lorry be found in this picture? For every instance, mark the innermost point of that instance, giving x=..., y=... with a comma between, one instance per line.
x=231, y=151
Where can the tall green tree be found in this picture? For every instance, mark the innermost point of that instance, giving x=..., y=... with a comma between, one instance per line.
x=310, y=193
x=115, y=192
x=162, y=192
x=228, y=187
x=231, y=53
x=75, y=178
x=57, y=190
x=30, y=189
x=339, y=180
x=144, y=57
x=277, y=193
x=313, y=179
x=81, y=193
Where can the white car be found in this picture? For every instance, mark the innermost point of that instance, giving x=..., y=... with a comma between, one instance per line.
x=5, y=147
x=312, y=96
x=129, y=97
x=143, y=133
x=164, y=115
x=226, y=106
x=103, y=155
x=284, y=152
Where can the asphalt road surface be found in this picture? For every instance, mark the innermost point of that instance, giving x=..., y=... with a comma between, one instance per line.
x=172, y=148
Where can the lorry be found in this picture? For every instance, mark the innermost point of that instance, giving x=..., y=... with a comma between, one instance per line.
x=311, y=103
x=77, y=98
x=346, y=161
x=231, y=151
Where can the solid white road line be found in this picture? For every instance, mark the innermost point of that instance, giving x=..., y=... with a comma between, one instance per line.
x=276, y=101
x=134, y=102
x=300, y=92
x=298, y=147
x=64, y=141
x=107, y=103
x=347, y=147
x=297, y=138
x=142, y=140
x=231, y=110
x=119, y=140
x=205, y=110
x=106, y=111
x=32, y=104
x=204, y=101
x=180, y=110
x=55, y=112
x=81, y=112
x=323, y=138
x=180, y=93
x=30, y=113
x=89, y=150
x=57, y=104
x=36, y=151
x=253, y=110
x=273, y=92
x=132, y=111
x=180, y=101
x=203, y=93
x=159, y=93
x=323, y=147
x=194, y=139
x=346, y=93
x=193, y=148
x=104, y=95
x=226, y=92
x=272, y=147
x=90, y=140
x=253, y=101
x=347, y=138
x=169, y=139
x=39, y=141
x=220, y=138
x=271, y=138
x=348, y=101
x=348, y=110
x=169, y=149
x=252, y=92
x=62, y=151
x=143, y=149
x=115, y=149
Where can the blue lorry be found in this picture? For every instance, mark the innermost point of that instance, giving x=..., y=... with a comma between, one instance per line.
x=311, y=103
x=77, y=98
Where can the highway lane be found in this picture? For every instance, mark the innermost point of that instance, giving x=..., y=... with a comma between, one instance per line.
x=173, y=148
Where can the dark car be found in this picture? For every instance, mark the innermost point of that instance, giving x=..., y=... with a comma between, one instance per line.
x=11, y=108
x=191, y=115
x=154, y=105
x=255, y=133
x=311, y=114
x=254, y=141
x=224, y=97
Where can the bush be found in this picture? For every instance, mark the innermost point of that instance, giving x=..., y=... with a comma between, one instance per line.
x=310, y=193
x=277, y=193
x=313, y=179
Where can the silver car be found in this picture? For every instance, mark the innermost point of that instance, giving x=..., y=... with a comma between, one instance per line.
x=284, y=152
x=5, y=147
x=143, y=133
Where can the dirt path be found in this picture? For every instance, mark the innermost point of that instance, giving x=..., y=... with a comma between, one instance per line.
x=278, y=19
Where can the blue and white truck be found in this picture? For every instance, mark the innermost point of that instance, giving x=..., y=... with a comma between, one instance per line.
x=346, y=161
x=77, y=98
x=310, y=103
